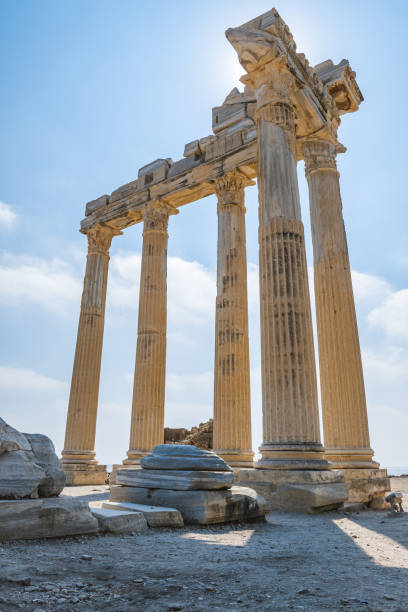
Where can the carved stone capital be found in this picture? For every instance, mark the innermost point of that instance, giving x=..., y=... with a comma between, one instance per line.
x=156, y=216
x=319, y=155
x=230, y=189
x=100, y=238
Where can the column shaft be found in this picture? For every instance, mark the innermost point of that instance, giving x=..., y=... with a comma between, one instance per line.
x=232, y=402
x=147, y=424
x=83, y=400
x=289, y=390
x=344, y=408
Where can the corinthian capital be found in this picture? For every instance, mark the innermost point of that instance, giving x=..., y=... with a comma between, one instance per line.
x=319, y=155
x=156, y=216
x=230, y=189
x=100, y=238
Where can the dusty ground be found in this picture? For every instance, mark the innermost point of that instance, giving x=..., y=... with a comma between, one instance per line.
x=324, y=562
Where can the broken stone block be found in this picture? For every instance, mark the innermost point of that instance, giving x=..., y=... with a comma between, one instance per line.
x=46, y=458
x=20, y=476
x=28, y=519
x=155, y=516
x=115, y=521
x=199, y=507
x=95, y=205
x=179, y=480
x=183, y=457
x=29, y=466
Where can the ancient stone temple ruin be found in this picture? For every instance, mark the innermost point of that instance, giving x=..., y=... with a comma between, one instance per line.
x=289, y=111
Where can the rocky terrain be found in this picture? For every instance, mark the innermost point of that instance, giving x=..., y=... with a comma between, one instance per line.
x=333, y=562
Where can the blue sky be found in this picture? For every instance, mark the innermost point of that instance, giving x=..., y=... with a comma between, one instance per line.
x=94, y=90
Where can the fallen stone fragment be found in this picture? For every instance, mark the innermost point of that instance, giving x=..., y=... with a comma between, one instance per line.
x=45, y=518
x=155, y=516
x=199, y=507
x=46, y=458
x=179, y=480
x=183, y=457
x=115, y=521
x=20, y=476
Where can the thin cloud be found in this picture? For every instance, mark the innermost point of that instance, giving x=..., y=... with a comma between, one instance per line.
x=23, y=380
x=8, y=217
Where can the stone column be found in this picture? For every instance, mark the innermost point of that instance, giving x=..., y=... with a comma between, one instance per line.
x=344, y=408
x=147, y=424
x=78, y=457
x=232, y=402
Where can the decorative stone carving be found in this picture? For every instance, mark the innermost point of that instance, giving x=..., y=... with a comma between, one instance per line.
x=319, y=155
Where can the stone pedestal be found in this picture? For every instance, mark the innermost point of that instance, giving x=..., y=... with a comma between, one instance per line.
x=232, y=401
x=78, y=457
x=308, y=491
x=147, y=423
x=344, y=409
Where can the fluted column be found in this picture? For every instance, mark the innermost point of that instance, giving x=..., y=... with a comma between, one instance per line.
x=344, y=408
x=147, y=424
x=78, y=453
x=232, y=402
x=291, y=432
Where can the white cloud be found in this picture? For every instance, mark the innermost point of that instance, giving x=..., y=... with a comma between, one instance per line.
x=392, y=315
x=51, y=284
x=7, y=216
x=387, y=365
x=369, y=288
x=23, y=380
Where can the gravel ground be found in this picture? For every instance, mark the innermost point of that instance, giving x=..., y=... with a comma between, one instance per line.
x=292, y=562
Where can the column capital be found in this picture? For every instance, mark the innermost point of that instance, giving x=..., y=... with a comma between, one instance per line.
x=100, y=238
x=319, y=155
x=230, y=189
x=156, y=216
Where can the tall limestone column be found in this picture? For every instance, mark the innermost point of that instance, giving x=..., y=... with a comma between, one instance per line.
x=232, y=401
x=147, y=424
x=292, y=468
x=344, y=409
x=78, y=457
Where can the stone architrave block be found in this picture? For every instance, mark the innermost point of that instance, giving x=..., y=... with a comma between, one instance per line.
x=51, y=517
x=95, y=205
x=114, y=521
x=178, y=480
x=183, y=457
x=199, y=507
x=155, y=516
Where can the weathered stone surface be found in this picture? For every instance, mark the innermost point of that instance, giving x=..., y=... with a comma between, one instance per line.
x=368, y=486
x=11, y=439
x=178, y=480
x=183, y=457
x=296, y=490
x=85, y=474
x=199, y=507
x=155, y=516
x=20, y=476
x=114, y=521
x=46, y=458
x=29, y=466
x=45, y=518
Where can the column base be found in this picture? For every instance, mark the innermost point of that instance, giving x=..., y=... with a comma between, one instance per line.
x=292, y=457
x=84, y=473
x=310, y=491
x=236, y=458
x=367, y=486
x=134, y=456
x=351, y=458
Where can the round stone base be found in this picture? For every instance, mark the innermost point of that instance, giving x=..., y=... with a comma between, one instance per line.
x=351, y=458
